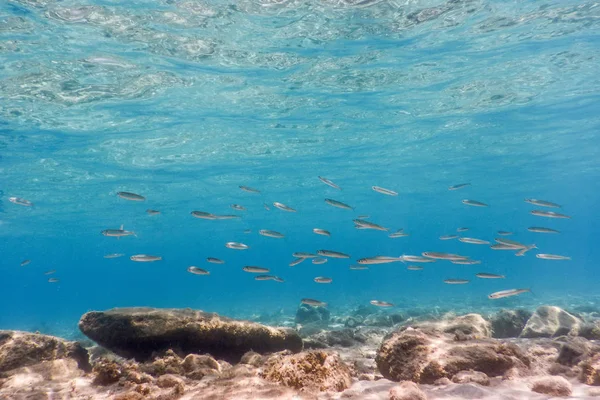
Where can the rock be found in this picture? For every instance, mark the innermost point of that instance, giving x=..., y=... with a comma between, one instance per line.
x=553, y=386
x=197, y=367
x=590, y=370
x=306, y=314
x=107, y=371
x=169, y=381
x=572, y=351
x=471, y=377
x=407, y=391
x=509, y=323
x=471, y=325
x=341, y=338
x=309, y=370
x=140, y=332
x=590, y=330
x=442, y=382
x=551, y=321
x=21, y=349
x=378, y=319
x=353, y=322
x=253, y=358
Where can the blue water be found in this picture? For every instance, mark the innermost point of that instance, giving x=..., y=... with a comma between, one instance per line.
x=183, y=101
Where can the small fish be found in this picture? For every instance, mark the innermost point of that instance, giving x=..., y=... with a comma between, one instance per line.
x=130, y=196
x=246, y=231
x=323, y=279
x=525, y=250
x=443, y=256
x=203, y=215
x=296, y=262
x=53, y=280
x=379, y=303
x=549, y=214
x=417, y=259
x=398, y=234
x=512, y=243
x=379, y=260
x=500, y=246
x=238, y=207
x=414, y=268
x=456, y=281
x=552, y=257
x=358, y=267
x=278, y=279
x=268, y=278
x=466, y=262
x=50, y=272
x=448, y=237
x=236, y=246
x=273, y=234
x=462, y=229
x=332, y=254
x=283, y=207
x=504, y=233
x=145, y=258
x=301, y=254
x=20, y=201
x=507, y=293
x=542, y=203
x=485, y=275
x=197, y=271
x=114, y=255
x=459, y=186
x=363, y=217
x=362, y=224
x=323, y=232
x=255, y=270
x=319, y=260
x=313, y=302
x=474, y=203
x=473, y=240
x=381, y=190
x=25, y=262
x=338, y=204
x=329, y=183
x=117, y=232
x=539, y=229
x=266, y=206
x=249, y=189
x=226, y=216
x=214, y=260
x=152, y=212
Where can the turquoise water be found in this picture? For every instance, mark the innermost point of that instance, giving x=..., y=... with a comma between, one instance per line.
x=184, y=101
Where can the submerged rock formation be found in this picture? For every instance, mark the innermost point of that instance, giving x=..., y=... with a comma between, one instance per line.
x=551, y=321
x=140, y=332
x=509, y=323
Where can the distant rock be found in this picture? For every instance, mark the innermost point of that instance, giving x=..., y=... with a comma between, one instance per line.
x=551, y=321
x=509, y=323
x=407, y=391
x=342, y=338
x=553, y=386
x=140, y=332
x=22, y=349
x=307, y=314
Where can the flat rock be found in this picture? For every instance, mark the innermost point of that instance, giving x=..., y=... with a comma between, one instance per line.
x=140, y=332
x=551, y=321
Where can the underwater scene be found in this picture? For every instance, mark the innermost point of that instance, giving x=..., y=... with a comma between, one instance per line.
x=271, y=199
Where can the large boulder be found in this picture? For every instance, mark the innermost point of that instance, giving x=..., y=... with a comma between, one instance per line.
x=509, y=323
x=22, y=349
x=551, y=321
x=140, y=332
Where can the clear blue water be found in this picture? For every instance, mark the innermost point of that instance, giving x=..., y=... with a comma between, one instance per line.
x=183, y=101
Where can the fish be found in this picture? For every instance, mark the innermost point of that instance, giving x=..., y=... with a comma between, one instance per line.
x=358, y=267
x=474, y=203
x=255, y=270
x=500, y=246
x=117, y=232
x=323, y=232
x=448, y=237
x=131, y=196
x=145, y=258
x=319, y=260
x=379, y=260
x=540, y=229
x=268, y=278
x=512, y=243
x=203, y=215
x=266, y=206
x=20, y=201
x=398, y=234
x=380, y=303
x=197, y=271
x=443, y=256
x=273, y=234
x=552, y=257
x=504, y=233
x=236, y=246
x=417, y=259
x=462, y=229
x=466, y=262
x=414, y=268
x=473, y=240
x=25, y=262
x=114, y=255
x=507, y=293
x=214, y=260
x=53, y=280
x=301, y=254
x=542, y=203
x=329, y=183
x=246, y=231
x=332, y=254
x=549, y=214
x=50, y=272
x=152, y=212
x=381, y=190
x=459, y=186
x=363, y=216
x=362, y=224
x=296, y=262
x=338, y=204
x=485, y=275
x=456, y=281
x=283, y=207
x=525, y=250
x=226, y=216
x=238, y=207
x=323, y=279
x=278, y=279
x=249, y=189
x=313, y=302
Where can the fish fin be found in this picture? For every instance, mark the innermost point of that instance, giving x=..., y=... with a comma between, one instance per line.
x=402, y=260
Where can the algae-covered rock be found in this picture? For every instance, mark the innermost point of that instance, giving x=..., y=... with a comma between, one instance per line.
x=140, y=332
x=551, y=321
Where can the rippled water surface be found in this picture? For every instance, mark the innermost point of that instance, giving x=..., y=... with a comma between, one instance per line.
x=184, y=101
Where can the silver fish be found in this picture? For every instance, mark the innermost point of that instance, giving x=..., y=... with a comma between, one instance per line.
x=313, y=302
x=456, y=281
x=323, y=279
x=485, y=275
x=542, y=203
x=301, y=254
x=203, y=215
x=50, y=272
x=338, y=204
x=319, y=260
x=512, y=243
x=552, y=257
x=466, y=262
x=266, y=206
x=323, y=232
x=268, y=278
x=362, y=224
x=417, y=259
x=236, y=246
x=25, y=262
x=525, y=250
x=379, y=303
x=238, y=207
x=504, y=233
x=379, y=260
x=283, y=207
x=540, y=229
x=131, y=196
x=448, y=237
x=273, y=234
x=363, y=217
x=255, y=270
x=474, y=203
x=117, y=232
x=384, y=191
x=500, y=246
x=152, y=212
x=226, y=216
x=473, y=240
x=462, y=229
x=549, y=214
x=214, y=260
x=20, y=201
x=249, y=189
x=53, y=280
x=414, y=268
x=398, y=234
x=507, y=293
x=197, y=271
x=443, y=256
x=114, y=255
x=246, y=231
x=145, y=258
x=358, y=267
x=459, y=186
x=329, y=183
x=278, y=279
x=332, y=254
x=296, y=262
